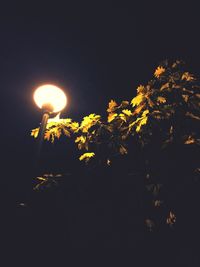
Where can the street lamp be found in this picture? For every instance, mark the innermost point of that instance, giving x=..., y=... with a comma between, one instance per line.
x=50, y=99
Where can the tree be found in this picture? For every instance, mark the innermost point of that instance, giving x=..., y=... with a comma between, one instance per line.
x=160, y=126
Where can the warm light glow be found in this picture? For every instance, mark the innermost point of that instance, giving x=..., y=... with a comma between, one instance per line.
x=49, y=94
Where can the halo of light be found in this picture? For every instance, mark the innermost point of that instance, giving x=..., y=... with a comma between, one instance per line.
x=49, y=94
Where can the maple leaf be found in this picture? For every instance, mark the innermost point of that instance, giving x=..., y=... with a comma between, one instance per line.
x=87, y=156
x=35, y=132
x=161, y=99
x=138, y=109
x=137, y=100
x=159, y=71
x=111, y=106
x=187, y=76
x=89, y=121
x=140, y=89
x=127, y=112
x=112, y=116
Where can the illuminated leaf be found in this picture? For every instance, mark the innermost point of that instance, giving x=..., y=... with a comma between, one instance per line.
x=81, y=140
x=122, y=117
x=127, y=112
x=89, y=121
x=112, y=106
x=161, y=99
x=187, y=76
x=112, y=116
x=108, y=162
x=159, y=71
x=35, y=132
x=190, y=140
x=140, y=89
x=86, y=156
x=137, y=100
x=138, y=109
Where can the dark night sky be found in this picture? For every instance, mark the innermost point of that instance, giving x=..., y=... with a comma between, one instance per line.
x=94, y=51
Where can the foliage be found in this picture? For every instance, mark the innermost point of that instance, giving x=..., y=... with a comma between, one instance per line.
x=164, y=112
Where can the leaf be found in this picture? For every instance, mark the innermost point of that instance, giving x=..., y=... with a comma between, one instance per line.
x=159, y=71
x=187, y=76
x=164, y=86
x=143, y=121
x=81, y=140
x=112, y=116
x=87, y=156
x=35, y=132
x=171, y=219
x=137, y=100
x=123, y=150
x=161, y=99
x=190, y=140
x=127, y=112
x=140, y=89
x=158, y=203
x=111, y=106
x=122, y=117
x=89, y=121
x=185, y=98
x=138, y=109
x=108, y=162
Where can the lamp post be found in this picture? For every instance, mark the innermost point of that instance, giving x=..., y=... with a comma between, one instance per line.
x=50, y=99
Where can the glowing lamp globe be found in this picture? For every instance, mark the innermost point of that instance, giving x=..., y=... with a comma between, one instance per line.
x=50, y=98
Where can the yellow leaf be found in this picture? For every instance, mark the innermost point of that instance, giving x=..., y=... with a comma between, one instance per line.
x=159, y=71
x=87, y=156
x=143, y=121
x=112, y=116
x=137, y=100
x=187, y=76
x=122, y=117
x=138, y=109
x=161, y=99
x=35, y=132
x=47, y=135
x=127, y=112
x=111, y=106
x=89, y=121
x=140, y=89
